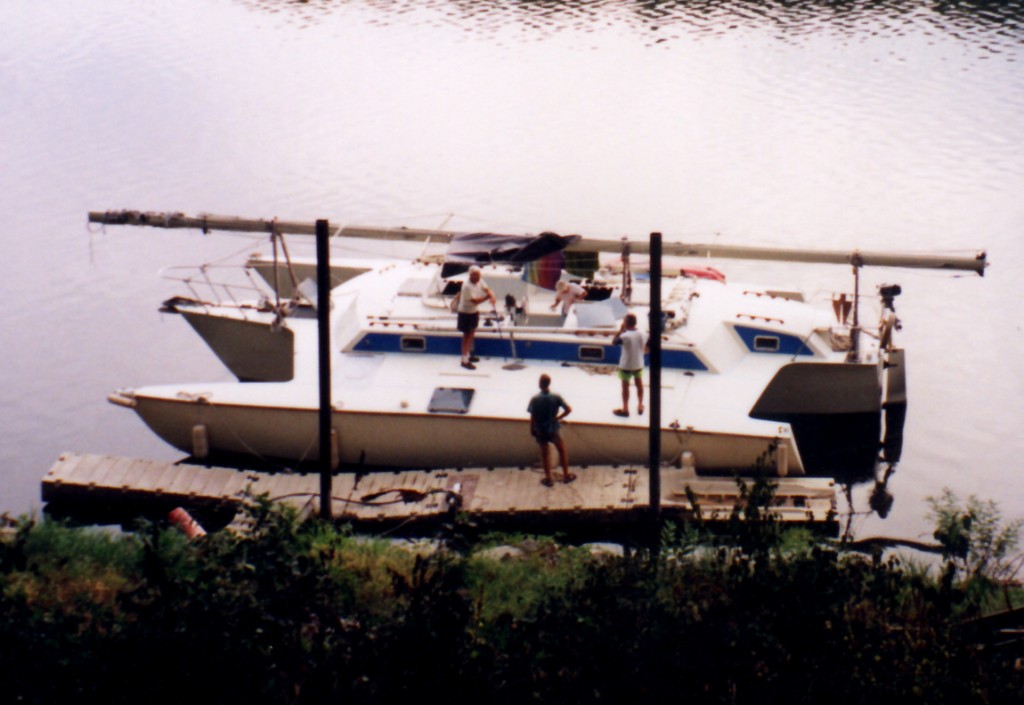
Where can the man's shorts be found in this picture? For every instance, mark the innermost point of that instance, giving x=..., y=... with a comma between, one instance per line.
x=626, y=375
x=467, y=322
x=541, y=437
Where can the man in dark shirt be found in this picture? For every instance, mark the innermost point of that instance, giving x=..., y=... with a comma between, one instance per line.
x=547, y=409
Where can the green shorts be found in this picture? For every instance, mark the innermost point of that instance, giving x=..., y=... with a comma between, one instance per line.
x=626, y=375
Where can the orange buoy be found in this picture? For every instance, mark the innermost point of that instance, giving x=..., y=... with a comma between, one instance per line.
x=184, y=521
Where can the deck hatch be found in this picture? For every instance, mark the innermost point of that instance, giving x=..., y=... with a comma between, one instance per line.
x=414, y=287
x=450, y=400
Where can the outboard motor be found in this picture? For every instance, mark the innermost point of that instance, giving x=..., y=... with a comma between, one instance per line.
x=889, y=292
x=513, y=310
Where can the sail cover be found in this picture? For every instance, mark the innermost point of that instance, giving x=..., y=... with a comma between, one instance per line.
x=490, y=248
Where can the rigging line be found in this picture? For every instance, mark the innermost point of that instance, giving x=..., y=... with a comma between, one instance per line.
x=803, y=342
x=259, y=456
x=92, y=245
x=277, y=281
x=288, y=262
x=420, y=495
x=399, y=526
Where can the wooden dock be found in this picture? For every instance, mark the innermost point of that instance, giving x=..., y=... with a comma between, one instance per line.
x=112, y=489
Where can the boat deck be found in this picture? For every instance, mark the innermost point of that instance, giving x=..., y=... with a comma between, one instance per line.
x=111, y=489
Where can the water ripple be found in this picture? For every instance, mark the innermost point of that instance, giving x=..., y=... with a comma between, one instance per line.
x=990, y=24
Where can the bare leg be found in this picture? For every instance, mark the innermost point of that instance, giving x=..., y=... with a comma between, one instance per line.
x=640, y=395
x=563, y=456
x=625, y=396
x=545, y=460
x=467, y=345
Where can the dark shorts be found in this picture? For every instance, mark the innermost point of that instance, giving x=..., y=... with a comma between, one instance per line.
x=467, y=322
x=541, y=437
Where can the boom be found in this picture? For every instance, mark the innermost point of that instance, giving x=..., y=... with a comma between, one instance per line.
x=858, y=258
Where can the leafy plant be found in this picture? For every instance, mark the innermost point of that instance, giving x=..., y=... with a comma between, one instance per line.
x=974, y=537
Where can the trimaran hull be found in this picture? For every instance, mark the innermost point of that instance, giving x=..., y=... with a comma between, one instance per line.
x=407, y=440
x=800, y=408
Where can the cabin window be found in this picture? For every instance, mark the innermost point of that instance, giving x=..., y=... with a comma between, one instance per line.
x=766, y=343
x=450, y=400
x=591, y=353
x=413, y=343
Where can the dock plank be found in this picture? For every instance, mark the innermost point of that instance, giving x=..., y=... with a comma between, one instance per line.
x=64, y=469
x=218, y=478
x=76, y=468
x=82, y=470
x=148, y=475
x=119, y=473
x=183, y=480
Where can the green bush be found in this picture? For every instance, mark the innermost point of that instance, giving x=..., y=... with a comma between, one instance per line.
x=303, y=612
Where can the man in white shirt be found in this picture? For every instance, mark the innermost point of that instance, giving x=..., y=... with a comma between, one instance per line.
x=631, y=362
x=473, y=293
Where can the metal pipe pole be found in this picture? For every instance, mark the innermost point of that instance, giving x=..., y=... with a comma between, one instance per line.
x=323, y=318
x=855, y=331
x=655, y=328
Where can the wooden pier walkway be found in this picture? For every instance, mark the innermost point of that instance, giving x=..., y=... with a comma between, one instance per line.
x=122, y=488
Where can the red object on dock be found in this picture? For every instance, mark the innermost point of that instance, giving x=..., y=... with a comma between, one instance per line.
x=184, y=521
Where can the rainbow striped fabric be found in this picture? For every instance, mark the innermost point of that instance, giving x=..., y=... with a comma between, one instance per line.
x=544, y=271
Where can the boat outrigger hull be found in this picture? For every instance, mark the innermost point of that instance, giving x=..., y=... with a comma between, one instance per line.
x=413, y=440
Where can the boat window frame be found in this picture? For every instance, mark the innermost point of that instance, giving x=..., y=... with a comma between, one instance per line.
x=405, y=343
x=583, y=357
x=760, y=346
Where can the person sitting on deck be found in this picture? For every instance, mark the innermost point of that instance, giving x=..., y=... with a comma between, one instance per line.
x=546, y=410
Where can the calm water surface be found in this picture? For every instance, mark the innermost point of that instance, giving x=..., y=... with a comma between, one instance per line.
x=861, y=124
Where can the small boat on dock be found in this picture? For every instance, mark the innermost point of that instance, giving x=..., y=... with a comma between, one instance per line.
x=751, y=376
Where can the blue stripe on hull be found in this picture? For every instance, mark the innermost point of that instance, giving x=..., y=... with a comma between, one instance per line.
x=488, y=346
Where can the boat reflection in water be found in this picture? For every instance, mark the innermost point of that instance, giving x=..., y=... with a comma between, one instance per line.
x=747, y=372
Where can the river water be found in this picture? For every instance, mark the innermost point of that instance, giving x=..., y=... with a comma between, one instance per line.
x=867, y=125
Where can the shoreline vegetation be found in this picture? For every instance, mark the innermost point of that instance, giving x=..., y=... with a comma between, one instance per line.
x=302, y=611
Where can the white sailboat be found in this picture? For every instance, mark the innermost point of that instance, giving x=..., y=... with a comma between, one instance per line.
x=751, y=375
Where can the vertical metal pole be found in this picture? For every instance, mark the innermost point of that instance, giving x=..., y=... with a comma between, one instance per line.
x=655, y=328
x=323, y=318
x=855, y=331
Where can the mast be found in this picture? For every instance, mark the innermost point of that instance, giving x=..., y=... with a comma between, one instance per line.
x=972, y=263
